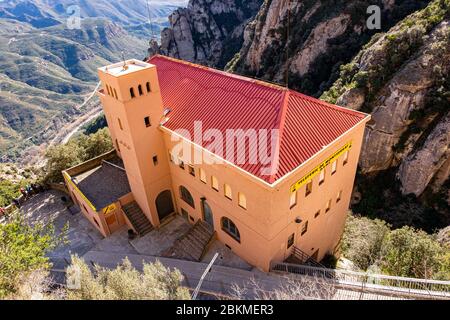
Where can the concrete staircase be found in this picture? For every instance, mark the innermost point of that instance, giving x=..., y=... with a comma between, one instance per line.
x=137, y=218
x=192, y=245
x=301, y=258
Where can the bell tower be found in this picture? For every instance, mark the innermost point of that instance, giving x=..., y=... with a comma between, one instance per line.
x=133, y=108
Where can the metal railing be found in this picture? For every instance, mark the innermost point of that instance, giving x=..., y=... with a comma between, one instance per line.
x=305, y=258
x=376, y=283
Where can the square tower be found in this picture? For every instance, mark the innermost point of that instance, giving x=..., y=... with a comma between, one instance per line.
x=133, y=107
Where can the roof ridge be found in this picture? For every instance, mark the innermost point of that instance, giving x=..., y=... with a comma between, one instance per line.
x=330, y=105
x=280, y=121
x=222, y=72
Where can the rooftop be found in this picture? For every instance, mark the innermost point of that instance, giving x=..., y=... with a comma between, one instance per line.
x=118, y=69
x=104, y=184
x=223, y=101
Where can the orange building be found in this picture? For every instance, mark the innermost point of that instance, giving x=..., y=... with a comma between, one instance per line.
x=267, y=168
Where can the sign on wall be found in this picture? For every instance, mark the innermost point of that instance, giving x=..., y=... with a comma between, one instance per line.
x=109, y=209
x=314, y=172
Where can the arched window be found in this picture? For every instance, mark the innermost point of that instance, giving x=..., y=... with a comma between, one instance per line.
x=132, y=93
x=140, y=90
x=148, y=87
x=230, y=228
x=186, y=196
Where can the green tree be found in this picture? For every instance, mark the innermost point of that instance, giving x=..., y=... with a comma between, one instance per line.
x=76, y=151
x=23, y=249
x=411, y=253
x=362, y=240
x=156, y=282
x=10, y=190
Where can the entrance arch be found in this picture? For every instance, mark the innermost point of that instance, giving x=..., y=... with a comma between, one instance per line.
x=164, y=204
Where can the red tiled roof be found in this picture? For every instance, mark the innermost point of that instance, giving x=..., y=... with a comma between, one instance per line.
x=224, y=101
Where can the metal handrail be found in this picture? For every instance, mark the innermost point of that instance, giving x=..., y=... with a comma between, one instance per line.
x=376, y=282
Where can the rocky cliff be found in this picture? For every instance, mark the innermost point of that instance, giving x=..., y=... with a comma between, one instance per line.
x=311, y=40
x=209, y=32
x=402, y=78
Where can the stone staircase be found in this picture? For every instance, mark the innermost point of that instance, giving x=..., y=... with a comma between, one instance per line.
x=137, y=218
x=192, y=245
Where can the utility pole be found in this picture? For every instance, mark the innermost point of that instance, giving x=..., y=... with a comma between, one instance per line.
x=207, y=270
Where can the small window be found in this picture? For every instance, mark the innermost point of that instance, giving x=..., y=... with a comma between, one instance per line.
x=181, y=163
x=346, y=158
x=117, y=145
x=291, y=241
x=322, y=177
x=115, y=94
x=339, y=196
x=242, y=200
x=227, y=192
x=305, y=228
x=155, y=160
x=132, y=93
x=317, y=214
x=140, y=90
x=215, y=183
x=293, y=199
x=170, y=157
x=192, y=171
x=202, y=175
x=334, y=167
x=147, y=122
x=148, y=86
x=328, y=207
x=120, y=124
x=309, y=188
x=107, y=88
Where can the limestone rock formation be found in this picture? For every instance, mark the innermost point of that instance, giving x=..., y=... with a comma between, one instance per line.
x=208, y=32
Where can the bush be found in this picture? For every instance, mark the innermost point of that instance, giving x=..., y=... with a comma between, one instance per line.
x=411, y=253
x=76, y=151
x=362, y=240
x=23, y=250
x=156, y=282
x=10, y=190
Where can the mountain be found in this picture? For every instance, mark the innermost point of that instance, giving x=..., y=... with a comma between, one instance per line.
x=399, y=74
x=209, y=32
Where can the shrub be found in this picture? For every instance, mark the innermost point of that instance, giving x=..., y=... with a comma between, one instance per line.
x=362, y=240
x=156, y=282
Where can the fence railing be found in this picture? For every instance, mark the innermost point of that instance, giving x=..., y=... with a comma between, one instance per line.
x=391, y=285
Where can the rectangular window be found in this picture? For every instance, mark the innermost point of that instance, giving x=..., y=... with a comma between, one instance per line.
x=291, y=241
x=328, y=207
x=334, y=167
x=181, y=163
x=242, y=200
x=293, y=200
x=346, y=158
x=309, y=187
x=170, y=157
x=227, y=192
x=322, y=177
x=192, y=171
x=120, y=124
x=155, y=160
x=317, y=214
x=305, y=228
x=339, y=196
x=147, y=122
x=215, y=183
x=202, y=175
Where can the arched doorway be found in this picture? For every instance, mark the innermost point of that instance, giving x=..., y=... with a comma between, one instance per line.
x=207, y=213
x=164, y=205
